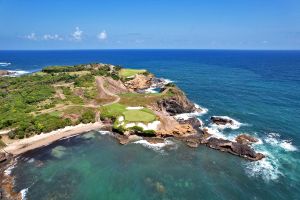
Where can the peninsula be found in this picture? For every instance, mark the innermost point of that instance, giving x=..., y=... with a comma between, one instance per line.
x=61, y=101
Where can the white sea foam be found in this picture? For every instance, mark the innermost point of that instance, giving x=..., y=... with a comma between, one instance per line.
x=274, y=140
x=5, y=64
x=235, y=124
x=24, y=193
x=155, y=146
x=105, y=132
x=216, y=133
x=267, y=168
x=8, y=171
x=17, y=73
x=151, y=90
x=186, y=116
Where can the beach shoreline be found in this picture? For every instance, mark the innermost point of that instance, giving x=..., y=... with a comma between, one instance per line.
x=21, y=146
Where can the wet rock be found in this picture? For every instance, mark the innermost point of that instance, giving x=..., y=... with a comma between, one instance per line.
x=245, y=139
x=235, y=148
x=157, y=82
x=221, y=120
x=192, y=140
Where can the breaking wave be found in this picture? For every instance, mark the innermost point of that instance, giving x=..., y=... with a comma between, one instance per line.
x=24, y=193
x=235, y=124
x=274, y=140
x=186, y=116
x=5, y=64
x=17, y=72
x=8, y=171
x=158, y=147
x=277, y=153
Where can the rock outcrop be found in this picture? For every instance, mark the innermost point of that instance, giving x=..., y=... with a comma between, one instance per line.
x=235, y=148
x=178, y=103
x=245, y=139
x=194, y=122
x=5, y=73
x=140, y=81
x=221, y=120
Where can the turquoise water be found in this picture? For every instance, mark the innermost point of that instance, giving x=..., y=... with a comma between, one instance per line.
x=260, y=89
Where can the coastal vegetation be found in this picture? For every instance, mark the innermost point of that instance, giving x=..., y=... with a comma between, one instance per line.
x=60, y=96
x=121, y=99
x=125, y=73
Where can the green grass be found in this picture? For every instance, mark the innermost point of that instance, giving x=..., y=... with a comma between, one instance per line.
x=139, y=116
x=130, y=72
x=113, y=110
x=56, y=113
x=134, y=99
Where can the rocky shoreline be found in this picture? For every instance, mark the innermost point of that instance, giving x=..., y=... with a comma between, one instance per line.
x=176, y=114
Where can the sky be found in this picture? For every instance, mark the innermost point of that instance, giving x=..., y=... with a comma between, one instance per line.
x=149, y=24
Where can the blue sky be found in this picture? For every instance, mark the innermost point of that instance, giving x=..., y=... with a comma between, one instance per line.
x=144, y=24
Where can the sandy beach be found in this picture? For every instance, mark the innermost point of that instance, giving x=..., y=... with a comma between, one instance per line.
x=17, y=147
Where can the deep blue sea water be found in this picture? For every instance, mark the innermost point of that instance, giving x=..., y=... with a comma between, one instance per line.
x=260, y=89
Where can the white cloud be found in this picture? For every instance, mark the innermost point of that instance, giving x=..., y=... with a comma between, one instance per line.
x=31, y=36
x=77, y=35
x=102, y=35
x=52, y=37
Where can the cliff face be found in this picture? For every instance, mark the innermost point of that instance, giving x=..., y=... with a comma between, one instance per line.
x=140, y=81
x=177, y=103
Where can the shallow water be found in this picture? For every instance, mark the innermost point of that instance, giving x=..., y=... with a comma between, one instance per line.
x=100, y=168
x=259, y=89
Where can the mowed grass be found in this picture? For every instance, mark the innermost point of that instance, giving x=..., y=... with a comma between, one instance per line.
x=113, y=110
x=130, y=72
x=138, y=116
x=116, y=110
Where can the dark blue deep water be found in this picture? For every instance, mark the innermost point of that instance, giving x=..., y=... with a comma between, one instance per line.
x=260, y=89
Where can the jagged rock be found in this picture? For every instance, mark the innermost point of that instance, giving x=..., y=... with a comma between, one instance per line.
x=3, y=157
x=194, y=122
x=158, y=82
x=139, y=82
x=245, y=139
x=235, y=148
x=221, y=120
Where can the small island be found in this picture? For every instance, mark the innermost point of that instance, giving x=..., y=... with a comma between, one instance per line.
x=61, y=101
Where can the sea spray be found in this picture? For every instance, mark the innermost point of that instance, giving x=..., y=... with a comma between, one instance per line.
x=274, y=140
x=24, y=193
x=158, y=147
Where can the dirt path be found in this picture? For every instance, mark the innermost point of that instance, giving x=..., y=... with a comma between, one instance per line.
x=100, y=86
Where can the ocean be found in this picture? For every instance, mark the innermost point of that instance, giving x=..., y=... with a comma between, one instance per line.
x=258, y=89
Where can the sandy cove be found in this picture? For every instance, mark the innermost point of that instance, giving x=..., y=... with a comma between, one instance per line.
x=18, y=147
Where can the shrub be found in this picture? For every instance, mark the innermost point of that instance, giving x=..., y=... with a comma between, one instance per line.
x=87, y=117
x=118, y=129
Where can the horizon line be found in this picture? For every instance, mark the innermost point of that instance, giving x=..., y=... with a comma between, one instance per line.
x=114, y=49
